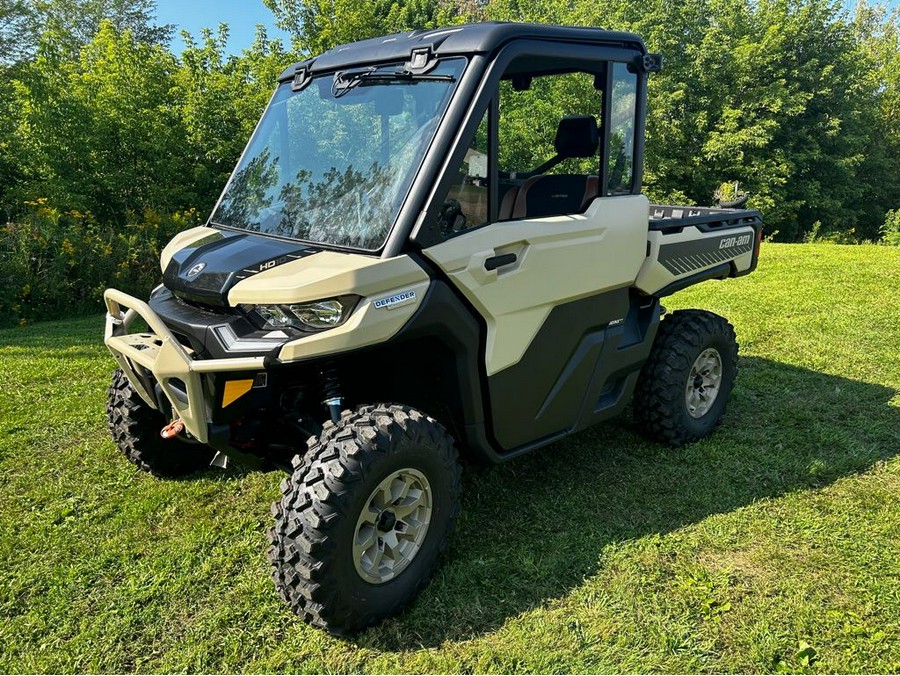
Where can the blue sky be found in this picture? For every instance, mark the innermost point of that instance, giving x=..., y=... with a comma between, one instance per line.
x=240, y=15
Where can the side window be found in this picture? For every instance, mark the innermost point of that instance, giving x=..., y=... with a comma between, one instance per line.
x=560, y=133
x=531, y=109
x=548, y=144
x=466, y=205
x=621, y=130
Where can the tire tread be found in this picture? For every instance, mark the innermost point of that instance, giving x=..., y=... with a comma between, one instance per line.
x=316, y=497
x=134, y=427
x=659, y=393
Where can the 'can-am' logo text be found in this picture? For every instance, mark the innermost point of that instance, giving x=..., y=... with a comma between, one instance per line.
x=391, y=302
x=729, y=242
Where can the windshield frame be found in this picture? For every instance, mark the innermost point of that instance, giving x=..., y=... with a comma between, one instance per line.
x=416, y=169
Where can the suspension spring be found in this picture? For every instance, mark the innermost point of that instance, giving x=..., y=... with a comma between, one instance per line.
x=331, y=391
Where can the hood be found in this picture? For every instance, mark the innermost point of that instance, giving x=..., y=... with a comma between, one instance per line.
x=206, y=269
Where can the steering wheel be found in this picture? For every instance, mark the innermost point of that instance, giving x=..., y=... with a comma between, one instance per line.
x=451, y=219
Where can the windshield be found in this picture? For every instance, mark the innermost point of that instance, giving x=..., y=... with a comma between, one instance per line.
x=332, y=163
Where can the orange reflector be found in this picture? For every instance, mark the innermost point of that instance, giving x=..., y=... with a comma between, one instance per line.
x=235, y=389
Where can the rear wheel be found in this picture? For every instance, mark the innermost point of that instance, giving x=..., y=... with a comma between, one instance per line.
x=364, y=517
x=684, y=387
x=135, y=428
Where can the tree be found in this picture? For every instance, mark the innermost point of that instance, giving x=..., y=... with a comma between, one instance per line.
x=772, y=93
x=796, y=99
x=220, y=101
x=878, y=39
x=10, y=171
x=319, y=25
x=17, y=36
x=102, y=132
x=67, y=25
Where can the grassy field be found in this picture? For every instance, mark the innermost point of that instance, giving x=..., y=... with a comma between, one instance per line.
x=772, y=546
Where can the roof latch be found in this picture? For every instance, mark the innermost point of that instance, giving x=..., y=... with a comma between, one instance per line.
x=302, y=77
x=421, y=60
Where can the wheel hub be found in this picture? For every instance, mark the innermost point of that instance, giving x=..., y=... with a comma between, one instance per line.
x=386, y=521
x=703, y=383
x=392, y=526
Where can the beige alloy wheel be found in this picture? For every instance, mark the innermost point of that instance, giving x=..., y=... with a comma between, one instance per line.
x=365, y=517
x=703, y=383
x=392, y=526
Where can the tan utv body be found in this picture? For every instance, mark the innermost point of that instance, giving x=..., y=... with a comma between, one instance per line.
x=385, y=284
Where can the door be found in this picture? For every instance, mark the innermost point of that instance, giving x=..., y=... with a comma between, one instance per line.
x=558, y=284
x=553, y=271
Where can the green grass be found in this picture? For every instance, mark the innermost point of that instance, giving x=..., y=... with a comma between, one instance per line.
x=772, y=546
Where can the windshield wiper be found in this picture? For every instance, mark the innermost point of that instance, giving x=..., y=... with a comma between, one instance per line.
x=344, y=81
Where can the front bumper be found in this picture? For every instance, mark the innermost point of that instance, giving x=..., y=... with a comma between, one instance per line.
x=157, y=357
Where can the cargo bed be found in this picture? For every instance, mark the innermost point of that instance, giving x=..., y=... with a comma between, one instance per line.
x=665, y=217
x=687, y=244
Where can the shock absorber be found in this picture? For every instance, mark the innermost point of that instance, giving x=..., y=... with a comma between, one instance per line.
x=331, y=390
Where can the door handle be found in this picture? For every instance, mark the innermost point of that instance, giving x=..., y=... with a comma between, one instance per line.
x=499, y=261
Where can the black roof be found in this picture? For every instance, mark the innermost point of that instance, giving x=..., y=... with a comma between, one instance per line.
x=475, y=38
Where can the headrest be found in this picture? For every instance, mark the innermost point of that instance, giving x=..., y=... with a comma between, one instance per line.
x=577, y=136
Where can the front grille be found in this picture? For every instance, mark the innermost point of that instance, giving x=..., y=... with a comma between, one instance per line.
x=202, y=307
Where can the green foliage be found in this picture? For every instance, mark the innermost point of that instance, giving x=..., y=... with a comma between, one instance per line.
x=890, y=231
x=16, y=30
x=67, y=25
x=56, y=264
x=108, y=148
x=879, y=32
x=126, y=126
x=64, y=26
x=793, y=99
x=219, y=100
x=728, y=191
x=107, y=125
x=528, y=120
x=796, y=100
x=10, y=162
x=795, y=123
x=318, y=25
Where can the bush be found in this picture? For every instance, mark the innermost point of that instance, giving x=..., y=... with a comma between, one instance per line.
x=890, y=231
x=57, y=264
x=847, y=236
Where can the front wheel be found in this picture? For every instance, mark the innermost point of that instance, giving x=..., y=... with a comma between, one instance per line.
x=684, y=387
x=364, y=517
x=135, y=427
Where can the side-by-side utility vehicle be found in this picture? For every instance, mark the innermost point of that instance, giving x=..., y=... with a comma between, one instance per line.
x=435, y=244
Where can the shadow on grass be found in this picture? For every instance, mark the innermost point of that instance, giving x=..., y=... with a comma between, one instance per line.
x=533, y=529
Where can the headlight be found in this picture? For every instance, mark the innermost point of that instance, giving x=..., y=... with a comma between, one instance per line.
x=318, y=315
x=270, y=316
x=321, y=315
